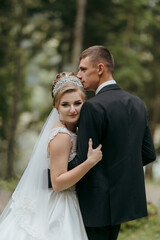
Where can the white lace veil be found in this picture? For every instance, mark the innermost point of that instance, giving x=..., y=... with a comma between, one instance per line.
x=29, y=201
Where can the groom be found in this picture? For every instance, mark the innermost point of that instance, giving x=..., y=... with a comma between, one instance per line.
x=113, y=191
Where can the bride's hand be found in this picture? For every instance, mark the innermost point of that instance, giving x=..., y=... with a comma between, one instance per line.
x=94, y=155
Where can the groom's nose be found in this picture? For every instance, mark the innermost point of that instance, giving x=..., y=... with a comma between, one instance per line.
x=79, y=76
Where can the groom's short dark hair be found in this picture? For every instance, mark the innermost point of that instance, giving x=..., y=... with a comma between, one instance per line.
x=99, y=54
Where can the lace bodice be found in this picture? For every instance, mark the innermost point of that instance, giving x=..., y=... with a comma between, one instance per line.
x=73, y=136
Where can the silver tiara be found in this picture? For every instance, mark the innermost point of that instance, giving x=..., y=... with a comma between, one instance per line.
x=64, y=80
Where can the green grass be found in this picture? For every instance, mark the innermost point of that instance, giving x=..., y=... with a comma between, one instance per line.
x=9, y=185
x=144, y=228
x=152, y=182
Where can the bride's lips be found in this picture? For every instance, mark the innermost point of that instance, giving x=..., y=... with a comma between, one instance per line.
x=73, y=116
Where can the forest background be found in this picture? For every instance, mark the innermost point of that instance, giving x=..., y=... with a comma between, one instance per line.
x=41, y=38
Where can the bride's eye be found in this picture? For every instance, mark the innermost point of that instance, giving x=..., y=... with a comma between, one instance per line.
x=78, y=103
x=64, y=104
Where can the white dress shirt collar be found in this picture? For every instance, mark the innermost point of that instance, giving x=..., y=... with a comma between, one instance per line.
x=105, y=84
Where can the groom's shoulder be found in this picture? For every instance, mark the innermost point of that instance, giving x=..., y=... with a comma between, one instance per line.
x=111, y=96
x=133, y=99
x=91, y=103
x=132, y=96
x=93, y=100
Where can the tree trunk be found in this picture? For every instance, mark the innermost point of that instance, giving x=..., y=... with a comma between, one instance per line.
x=13, y=120
x=156, y=110
x=128, y=30
x=149, y=171
x=78, y=33
x=155, y=115
x=17, y=83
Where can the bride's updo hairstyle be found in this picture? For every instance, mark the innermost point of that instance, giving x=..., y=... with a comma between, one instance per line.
x=66, y=82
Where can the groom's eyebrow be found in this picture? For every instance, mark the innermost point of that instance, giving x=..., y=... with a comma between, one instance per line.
x=82, y=68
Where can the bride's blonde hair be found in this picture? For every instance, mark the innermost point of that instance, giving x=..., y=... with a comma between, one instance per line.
x=66, y=87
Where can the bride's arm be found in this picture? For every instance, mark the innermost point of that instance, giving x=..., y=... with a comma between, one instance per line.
x=59, y=150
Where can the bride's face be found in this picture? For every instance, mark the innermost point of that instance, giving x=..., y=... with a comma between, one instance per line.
x=70, y=106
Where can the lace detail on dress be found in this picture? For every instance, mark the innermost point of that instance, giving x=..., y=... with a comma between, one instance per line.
x=23, y=209
x=57, y=130
x=28, y=204
x=73, y=136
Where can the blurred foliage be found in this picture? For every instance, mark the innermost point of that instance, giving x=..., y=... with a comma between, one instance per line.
x=9, y=185
x=36, y=43
x=144, y=228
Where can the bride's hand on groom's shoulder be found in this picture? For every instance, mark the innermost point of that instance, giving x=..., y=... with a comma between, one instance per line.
x=94, y=155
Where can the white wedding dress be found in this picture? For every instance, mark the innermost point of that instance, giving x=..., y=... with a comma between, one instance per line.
x=60, y=219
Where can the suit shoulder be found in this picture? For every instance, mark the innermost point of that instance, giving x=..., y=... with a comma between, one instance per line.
x=93, y=105
x=134, y=97
x=90, y=103
x=94, y=99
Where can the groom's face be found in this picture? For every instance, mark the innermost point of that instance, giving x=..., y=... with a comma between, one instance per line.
x=88, y=74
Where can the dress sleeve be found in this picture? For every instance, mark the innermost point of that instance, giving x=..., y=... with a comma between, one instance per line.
x=57, y=130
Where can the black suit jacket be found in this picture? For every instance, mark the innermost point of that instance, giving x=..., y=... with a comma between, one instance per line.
x=114, y=191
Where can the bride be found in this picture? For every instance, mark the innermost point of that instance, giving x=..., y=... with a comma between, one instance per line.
x=35, y=211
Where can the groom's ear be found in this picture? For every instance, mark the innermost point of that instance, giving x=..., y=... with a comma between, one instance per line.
x=100, y=68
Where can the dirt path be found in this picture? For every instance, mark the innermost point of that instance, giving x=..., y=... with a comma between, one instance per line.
x=4, y=197
x=153, y=194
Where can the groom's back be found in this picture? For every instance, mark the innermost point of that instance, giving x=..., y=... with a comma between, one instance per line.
x=114, y=188
x=125, y=121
